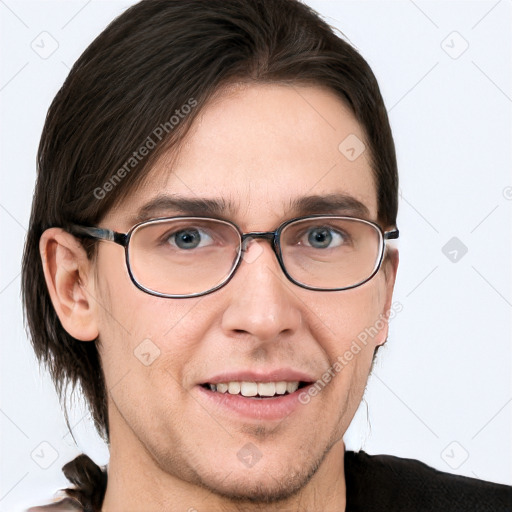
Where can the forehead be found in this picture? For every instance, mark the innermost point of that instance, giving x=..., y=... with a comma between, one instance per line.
x=260, y=150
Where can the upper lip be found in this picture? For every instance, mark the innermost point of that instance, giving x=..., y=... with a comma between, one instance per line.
x=277, y=375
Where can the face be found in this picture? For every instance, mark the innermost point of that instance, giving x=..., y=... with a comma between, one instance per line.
x=260, y=150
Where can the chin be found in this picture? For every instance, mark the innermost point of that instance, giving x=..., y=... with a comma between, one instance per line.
x=262, y=485
x=265, y=490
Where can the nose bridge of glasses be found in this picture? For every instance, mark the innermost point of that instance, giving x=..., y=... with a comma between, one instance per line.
x=247, y=238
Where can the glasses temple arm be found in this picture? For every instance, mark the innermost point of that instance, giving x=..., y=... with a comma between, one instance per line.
x=99, y=234
x=391, y=235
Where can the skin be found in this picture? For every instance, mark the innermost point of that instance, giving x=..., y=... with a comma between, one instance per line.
x=257, y=147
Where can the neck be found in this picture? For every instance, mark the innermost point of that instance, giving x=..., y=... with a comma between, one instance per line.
x=136, y=482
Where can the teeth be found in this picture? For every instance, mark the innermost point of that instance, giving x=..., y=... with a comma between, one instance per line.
x=281, y=388
x=234, y=388
x=251, y=389
x=222, y=387
x=266, y=389
x=291, y=387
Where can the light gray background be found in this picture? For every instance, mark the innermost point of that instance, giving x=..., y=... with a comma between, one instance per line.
x=441, y=390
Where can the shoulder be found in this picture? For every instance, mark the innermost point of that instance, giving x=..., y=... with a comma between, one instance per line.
x=62, y=505
x=385, y=482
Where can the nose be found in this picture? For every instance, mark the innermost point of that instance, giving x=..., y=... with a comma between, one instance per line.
x=262, y=304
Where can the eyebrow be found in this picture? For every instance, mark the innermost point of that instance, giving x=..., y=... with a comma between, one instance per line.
x=195, y=207
x=331, y=203
x=165, y=205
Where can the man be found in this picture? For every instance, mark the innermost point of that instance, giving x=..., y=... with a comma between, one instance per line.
x=202, y=259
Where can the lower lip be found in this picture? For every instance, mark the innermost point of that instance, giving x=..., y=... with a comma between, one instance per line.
x=275, y=408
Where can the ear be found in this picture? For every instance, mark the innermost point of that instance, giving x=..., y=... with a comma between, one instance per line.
x=68, y=275
x=389, y=268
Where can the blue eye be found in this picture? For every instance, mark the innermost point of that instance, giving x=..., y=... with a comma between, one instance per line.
x=190, y=238
x=324, y=238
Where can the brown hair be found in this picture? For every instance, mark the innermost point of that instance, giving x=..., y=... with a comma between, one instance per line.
x=150, y=62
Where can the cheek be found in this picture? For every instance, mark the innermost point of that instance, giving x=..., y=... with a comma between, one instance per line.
x=126, y=312
x=351, y=316
x=349, y=329
x=140, y=328
x=148, y=342
x=147, y=359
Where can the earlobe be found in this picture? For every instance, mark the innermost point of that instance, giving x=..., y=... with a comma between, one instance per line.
x=67, y=272
x=390, y=268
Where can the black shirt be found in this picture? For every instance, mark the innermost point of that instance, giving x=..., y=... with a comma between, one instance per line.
x=390, y=484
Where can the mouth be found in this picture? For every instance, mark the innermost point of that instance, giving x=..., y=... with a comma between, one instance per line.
x=255, y=395
x=256, y=390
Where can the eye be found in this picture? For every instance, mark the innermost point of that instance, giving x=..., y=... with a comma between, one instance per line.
x=189, y=238
x=324, y=238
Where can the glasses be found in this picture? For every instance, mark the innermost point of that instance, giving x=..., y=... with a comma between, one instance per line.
x=180, y=257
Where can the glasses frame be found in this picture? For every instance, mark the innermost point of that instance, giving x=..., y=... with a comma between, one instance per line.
x=274, y=237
